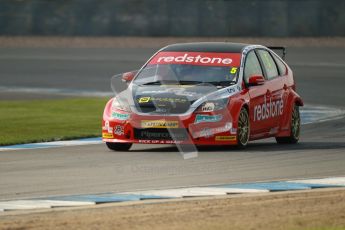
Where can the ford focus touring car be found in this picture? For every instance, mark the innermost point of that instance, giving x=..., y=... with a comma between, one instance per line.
x=204, y=94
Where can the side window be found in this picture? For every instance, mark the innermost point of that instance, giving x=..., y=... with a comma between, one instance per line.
x=252, y=66
x=269, y=64
x=281, y=66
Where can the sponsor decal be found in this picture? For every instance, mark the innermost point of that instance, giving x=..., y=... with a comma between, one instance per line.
x=119, y=130
x=120, y=116
x=154, y=135
x=231, y=90
x=161, y=110
x=159, y=141
x=208, y=107
x=210, y=132
x=107, y=135
x=197, y=58
x=207, y=118
x=268, y=109
x=206, y=132
x=225, y=138
x=177, y=90
x=107, y=127
x=161, y=135
x=172, y=100
x=144, y=99
x=159, y=124
x=233, y=70
x=162, y=99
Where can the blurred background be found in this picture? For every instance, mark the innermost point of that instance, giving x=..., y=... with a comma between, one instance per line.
x=277, y=18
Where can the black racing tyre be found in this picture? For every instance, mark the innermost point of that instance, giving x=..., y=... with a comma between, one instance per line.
x=243, y=129
x=294, y=129
x=119, y=146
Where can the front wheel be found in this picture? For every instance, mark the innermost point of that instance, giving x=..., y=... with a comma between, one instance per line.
x=294, y=128
x=119, y=146
x=243, y=130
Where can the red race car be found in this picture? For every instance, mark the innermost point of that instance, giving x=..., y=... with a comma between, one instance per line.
x=204, y=94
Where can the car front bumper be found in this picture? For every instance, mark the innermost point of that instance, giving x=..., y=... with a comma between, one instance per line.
x=214, y=128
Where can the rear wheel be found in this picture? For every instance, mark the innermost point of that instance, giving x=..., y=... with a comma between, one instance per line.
x=243, y=129
x=119, y=146
x=294, y=129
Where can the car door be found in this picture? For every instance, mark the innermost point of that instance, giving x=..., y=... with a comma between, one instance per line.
x=274, y=98
x=257, y=94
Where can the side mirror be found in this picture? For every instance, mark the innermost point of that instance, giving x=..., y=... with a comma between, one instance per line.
x=256, y=80
x=128, y=77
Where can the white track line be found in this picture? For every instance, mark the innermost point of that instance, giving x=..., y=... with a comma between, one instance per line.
x=19, y=205
x=72, y=142
x=59, y=203
x=196, y=191
x=317, y=113
x=37, y=204
x=324, y=181
x=52, y=144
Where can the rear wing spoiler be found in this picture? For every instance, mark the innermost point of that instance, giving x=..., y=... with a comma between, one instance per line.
x=281, y=49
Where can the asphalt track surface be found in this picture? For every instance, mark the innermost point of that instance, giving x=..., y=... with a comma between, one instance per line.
x=320, y=76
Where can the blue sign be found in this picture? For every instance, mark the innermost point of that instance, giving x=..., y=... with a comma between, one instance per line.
x=207, y=118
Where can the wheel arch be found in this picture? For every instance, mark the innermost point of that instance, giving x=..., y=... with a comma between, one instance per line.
x=246, y=106
x=293, y=99
x=236, y=110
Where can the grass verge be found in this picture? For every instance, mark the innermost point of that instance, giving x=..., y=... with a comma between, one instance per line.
x=48, y=120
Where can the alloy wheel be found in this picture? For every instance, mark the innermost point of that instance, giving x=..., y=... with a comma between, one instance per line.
x=243, y=128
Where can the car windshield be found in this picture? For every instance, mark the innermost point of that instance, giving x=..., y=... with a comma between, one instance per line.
x=183, y=74
x=190, y=68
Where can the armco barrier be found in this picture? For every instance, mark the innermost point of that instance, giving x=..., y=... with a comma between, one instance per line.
x=173, y=17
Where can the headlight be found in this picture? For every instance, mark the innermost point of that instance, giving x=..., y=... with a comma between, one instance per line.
x=120, y=105
x=210, y=106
